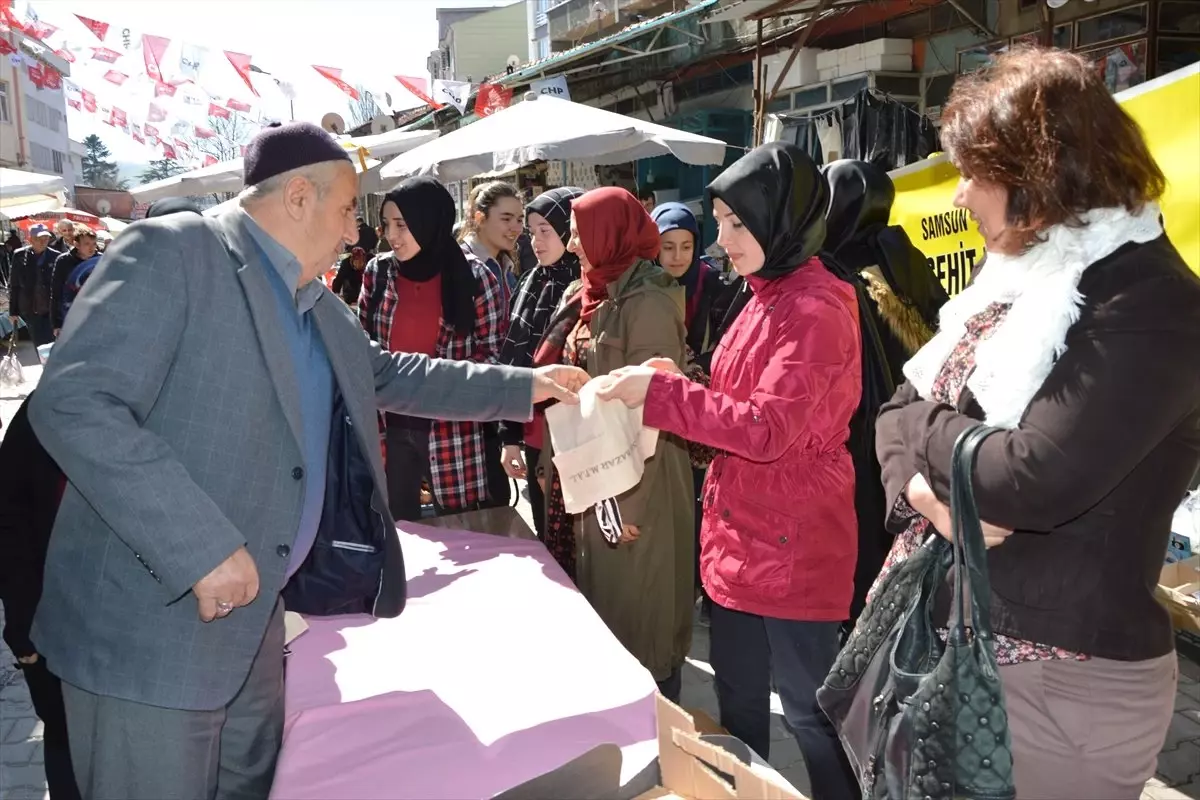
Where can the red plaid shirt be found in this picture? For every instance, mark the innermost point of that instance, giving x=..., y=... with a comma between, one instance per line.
x=457, y=459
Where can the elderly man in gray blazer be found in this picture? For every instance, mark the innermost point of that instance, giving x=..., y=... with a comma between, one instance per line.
x=193, y=401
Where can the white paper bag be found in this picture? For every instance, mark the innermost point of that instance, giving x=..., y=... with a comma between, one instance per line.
x=600, y=448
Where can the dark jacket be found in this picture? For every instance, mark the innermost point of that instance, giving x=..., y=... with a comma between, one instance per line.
x=30, y=488
x=347, y=283
x=63, y=266
x=1091, y=477
x=29, y=282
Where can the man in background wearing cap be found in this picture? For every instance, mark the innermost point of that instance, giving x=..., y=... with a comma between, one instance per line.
x=29, y=284
x=196, y=416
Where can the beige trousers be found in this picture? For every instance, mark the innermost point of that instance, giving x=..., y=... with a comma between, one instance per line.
x=1088, y=729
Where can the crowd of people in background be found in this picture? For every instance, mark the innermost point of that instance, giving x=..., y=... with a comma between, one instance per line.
x=807, y=398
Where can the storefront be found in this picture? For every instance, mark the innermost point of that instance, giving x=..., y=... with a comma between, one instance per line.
x=1129, y=44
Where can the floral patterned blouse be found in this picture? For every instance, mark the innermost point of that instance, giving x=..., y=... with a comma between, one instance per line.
x=946, y=389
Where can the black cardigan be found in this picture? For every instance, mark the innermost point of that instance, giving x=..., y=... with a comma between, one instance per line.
x=1092, y=476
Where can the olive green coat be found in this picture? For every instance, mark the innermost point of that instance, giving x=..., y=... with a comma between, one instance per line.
x=643, y=590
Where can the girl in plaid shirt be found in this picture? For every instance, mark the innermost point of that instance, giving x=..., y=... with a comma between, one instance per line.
x=429, y=296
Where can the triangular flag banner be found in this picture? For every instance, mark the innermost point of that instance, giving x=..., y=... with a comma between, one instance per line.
x=241, y=63
x=100, y=29
x=238, y=105
x=65, y=54
x=137, y=137
x=455, y=93
x=492, y=98
x=191, y=57
x=118, y=78
x=75, y=104
x=334, y=75
x=105, y=55
x=169, y=151
x=205, y=133
x=209, y=160
x=40, y=30
x=419, y=88
x=182, y=145
x=150, y=130
x=220, y=112
x=89, y=101
x=153, y=50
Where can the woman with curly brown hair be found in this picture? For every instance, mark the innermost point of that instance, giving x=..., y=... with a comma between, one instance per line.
x=1080, y=338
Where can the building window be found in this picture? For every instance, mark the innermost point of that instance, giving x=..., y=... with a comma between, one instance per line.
x=4, y=117
x=57, y=159
x=42, y=160
x=1179, y=16
x=1121, y=66
x=1125, y=22
x=1176, y=54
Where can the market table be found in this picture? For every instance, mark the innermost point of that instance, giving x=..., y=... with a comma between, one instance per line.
x=497, y=671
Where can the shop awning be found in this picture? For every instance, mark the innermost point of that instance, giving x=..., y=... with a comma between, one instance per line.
x=18, y=183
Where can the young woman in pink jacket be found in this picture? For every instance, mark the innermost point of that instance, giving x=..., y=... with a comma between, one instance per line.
x=779, y=535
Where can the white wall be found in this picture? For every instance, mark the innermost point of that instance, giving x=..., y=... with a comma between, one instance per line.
x=49, y=146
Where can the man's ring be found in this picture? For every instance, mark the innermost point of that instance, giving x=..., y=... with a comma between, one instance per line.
x=223, y=607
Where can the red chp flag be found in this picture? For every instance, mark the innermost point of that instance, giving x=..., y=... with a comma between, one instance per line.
x=153, y=50
x=238, y=105
x=51, y=78
x=150, y=130
x=220, y=112
x=155, y=113
x=137, y=137
x=100, y=29
x=114, y=77
x=164, y=89
x=204, y=133
x=334, y=76
x=117, y=118
x=37, y=76
x=169, y=151
x=105, y=55
x=241, y=64
x=39, y=30
x=419, y=87
x=209, y=160
x=492, y=98
x=89, y=101
x=75, y=104
x=65, y=54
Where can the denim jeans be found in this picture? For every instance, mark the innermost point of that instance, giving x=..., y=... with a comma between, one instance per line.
x=747, y=652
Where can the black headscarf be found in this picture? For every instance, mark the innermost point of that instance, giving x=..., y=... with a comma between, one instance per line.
x=555, y=206
x=428, y=211
x=779, y=194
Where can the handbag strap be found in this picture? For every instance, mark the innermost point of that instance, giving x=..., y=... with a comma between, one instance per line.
x=970, y=553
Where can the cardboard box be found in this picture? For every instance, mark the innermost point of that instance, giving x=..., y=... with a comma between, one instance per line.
x=691, y=765
x=1179, y=591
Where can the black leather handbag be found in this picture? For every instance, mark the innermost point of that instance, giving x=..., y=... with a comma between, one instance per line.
x=921, y=718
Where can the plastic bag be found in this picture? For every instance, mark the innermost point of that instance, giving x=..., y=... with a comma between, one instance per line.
x=11, y=373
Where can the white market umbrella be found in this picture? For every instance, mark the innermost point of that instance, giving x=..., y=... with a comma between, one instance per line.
x=549, y=128
x=15, y=183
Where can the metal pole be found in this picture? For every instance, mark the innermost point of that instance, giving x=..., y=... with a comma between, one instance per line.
x=758, y=86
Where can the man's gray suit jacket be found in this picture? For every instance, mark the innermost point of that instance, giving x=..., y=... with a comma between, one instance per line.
x=170, y=402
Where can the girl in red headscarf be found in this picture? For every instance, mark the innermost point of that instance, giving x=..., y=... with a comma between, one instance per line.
x=626, y=310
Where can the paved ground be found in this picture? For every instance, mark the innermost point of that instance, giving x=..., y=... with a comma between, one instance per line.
x=22, y=777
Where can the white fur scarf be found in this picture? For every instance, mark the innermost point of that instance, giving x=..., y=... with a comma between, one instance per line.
x=1042, y=286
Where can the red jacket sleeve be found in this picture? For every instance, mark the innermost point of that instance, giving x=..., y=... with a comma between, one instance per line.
x=805, y=395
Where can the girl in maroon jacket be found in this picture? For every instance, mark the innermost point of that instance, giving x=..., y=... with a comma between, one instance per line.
x=779, y=535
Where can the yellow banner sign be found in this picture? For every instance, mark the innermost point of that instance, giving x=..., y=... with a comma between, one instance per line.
x=1167, y=108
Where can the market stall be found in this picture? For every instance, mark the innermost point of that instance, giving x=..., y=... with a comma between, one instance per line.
x=544, y=128
x=49, y=218
x=497, y=671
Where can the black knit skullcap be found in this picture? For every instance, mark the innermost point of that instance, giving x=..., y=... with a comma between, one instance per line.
x=279, y=148
x=171, y=205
